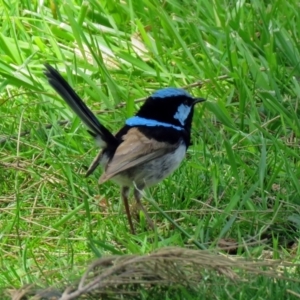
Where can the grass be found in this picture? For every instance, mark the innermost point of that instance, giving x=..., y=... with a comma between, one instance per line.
x=240, y=180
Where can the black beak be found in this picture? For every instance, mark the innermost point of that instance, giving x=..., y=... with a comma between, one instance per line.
x=197, y=100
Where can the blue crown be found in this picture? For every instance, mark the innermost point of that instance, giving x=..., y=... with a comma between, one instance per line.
x=170, y=92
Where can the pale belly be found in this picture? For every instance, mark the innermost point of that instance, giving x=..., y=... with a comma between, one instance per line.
x=152, y=172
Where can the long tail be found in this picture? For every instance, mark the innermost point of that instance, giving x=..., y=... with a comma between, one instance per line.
x=78, y=106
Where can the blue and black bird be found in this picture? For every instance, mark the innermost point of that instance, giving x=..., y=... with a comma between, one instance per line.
x=149, y=147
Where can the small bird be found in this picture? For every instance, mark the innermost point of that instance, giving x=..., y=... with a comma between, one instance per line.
x=148, y=148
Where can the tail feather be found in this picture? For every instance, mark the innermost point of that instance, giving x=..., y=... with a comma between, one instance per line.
x=78, y=106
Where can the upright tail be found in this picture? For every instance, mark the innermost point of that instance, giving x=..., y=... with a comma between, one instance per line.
x=78, y=106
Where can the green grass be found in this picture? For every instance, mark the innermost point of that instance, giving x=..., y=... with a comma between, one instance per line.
x=240, y=179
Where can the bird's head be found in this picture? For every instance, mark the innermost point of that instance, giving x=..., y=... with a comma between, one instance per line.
x=170, y=105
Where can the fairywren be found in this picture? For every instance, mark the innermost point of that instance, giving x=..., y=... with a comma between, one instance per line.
x=149, y=147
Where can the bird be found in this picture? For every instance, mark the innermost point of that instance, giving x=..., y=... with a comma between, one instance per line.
x=148, y=148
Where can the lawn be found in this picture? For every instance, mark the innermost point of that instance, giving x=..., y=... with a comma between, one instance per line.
x=237, y=192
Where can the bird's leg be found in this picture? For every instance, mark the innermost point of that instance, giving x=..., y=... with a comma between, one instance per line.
x=125, y=193
x=138, y=196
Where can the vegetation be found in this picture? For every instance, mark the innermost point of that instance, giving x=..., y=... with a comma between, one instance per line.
x=238, y=187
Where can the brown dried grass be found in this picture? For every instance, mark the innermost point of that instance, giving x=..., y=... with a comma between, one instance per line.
x=126, y=275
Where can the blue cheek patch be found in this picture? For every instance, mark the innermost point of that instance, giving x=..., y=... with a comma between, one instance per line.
x=182, y=113
x=138, y=121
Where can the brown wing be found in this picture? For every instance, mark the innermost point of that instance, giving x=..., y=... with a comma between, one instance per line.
x=136, y=149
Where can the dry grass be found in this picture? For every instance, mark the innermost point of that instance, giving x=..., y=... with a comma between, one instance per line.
x=127, y=275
